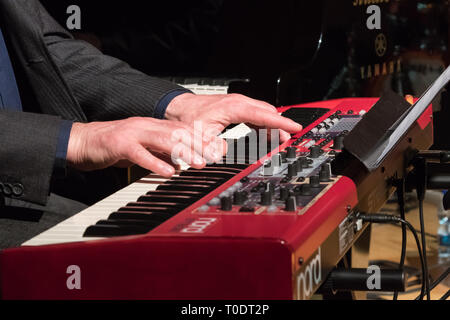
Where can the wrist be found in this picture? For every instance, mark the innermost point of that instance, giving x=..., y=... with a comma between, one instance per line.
x=176, y=107
x=75, y=145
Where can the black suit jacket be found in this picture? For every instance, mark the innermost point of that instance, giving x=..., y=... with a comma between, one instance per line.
x=69, y=79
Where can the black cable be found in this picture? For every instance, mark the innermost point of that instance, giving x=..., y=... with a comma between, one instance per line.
x=438, y=280
x=420, y=168
x=401, y=206
x=424, y=250
x=381, y=218
x=445, y=296
x=429, y=235
x=422, y=259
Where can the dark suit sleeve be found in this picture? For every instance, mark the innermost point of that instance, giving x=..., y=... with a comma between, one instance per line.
x=27, y=154
x=106, y=88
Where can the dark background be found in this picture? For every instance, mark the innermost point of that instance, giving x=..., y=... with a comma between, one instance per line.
x=291, y=51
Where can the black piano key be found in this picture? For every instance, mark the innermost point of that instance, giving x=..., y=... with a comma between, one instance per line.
x=136, y=215
x=125, y=222
x=199, y=173
x=193, y=194
x=169, y=206
x=184, y=187
x=193, y=181
x=115, y=231
x=210, y=179
x=168, y=198
x=148, y=209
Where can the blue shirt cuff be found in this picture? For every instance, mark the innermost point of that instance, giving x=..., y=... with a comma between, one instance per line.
x=160, y=109
x=61, y=147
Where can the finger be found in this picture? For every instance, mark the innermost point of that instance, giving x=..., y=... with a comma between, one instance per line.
x=194, y=140
x=174, y=145
x=168, y=159
x=266, y=119
x=142, y=157
x=284, y=136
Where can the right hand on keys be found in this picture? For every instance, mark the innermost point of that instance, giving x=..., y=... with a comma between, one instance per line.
x=142, y=141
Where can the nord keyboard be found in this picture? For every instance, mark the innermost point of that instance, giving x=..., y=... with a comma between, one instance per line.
x=258, y=228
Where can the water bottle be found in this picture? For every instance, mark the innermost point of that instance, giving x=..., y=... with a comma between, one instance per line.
x=444, y=232
x=435, y=198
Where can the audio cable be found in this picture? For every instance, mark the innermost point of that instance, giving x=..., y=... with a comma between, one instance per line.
x=401, y=204
x=420, y=165
x=438, y=281
x=381, y=218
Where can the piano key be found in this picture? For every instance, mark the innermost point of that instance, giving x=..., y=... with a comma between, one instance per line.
x=124, y=222
x=157, y=205
x=185, y=187
x=193, y=181
x=184, y=178
x=148, y=210
x=192, y=194
x=136, y=215
x=115, y=231
x=168, y=198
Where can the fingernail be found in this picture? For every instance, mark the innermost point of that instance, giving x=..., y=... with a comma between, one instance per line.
x=167, y=171
x=198, y=161
x=212, y=155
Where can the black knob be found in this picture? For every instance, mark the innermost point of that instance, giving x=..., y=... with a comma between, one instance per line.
x=284, y=193
x=314, y=181
x=303, y=162
x=291, y=204
x=240, y=197
x=299, y=166
x=283, y=156
x=291, y=152
x=338, y=143
x=292, y=170
x=315, y=152
x=266, y=198
x=262, y=185
x=305, y=190
x=325, y=173
x=226, y=204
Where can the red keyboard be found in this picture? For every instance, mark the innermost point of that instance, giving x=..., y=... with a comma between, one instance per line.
x=267, y=229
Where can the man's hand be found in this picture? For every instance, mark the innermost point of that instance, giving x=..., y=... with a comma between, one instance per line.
x=142, y=141
x=216, y=112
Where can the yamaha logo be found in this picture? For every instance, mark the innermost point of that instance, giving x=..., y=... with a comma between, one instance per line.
x=310, y=278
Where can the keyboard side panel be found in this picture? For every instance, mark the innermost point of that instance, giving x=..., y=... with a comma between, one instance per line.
x=150, y=268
